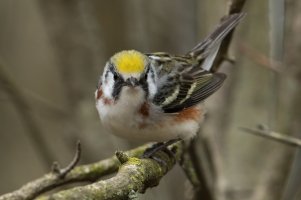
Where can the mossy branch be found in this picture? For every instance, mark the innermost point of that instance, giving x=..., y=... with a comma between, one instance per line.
x=134, y=175
x=83, y=173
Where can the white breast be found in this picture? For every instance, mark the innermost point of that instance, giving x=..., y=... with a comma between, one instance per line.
x=124, y=119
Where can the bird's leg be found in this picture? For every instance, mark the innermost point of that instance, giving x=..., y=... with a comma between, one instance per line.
x=149, y=152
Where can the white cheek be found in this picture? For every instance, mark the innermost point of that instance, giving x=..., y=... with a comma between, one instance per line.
x=108, y=85
x=152, y=86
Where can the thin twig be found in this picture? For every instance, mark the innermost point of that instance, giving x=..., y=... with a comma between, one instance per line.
x=279, y=137
x=61, y=173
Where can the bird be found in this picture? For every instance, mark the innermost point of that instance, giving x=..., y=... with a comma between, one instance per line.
x=158, y=97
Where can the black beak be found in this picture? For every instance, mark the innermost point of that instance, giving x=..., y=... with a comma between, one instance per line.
x=132, y=82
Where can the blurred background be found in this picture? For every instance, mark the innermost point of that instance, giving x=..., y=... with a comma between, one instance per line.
x=53, y=52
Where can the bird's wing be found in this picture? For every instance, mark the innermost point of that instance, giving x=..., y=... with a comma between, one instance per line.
x=185, y=87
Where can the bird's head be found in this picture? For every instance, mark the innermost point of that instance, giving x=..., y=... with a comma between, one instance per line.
x=131, y=70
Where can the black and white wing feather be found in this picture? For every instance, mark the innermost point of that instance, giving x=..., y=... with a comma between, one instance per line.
x=187, y=89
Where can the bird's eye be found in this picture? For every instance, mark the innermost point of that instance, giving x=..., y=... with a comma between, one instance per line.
x=145, y=76
x=115, y=76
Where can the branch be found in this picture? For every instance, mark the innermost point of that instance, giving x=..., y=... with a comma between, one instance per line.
x=83, y=173
x=61, y=173
x=134, y=176
x=138, y=174
x=274, y=136
x=235, y=6
x=196, y=174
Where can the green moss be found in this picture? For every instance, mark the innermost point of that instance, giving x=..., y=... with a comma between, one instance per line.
x=134, y=161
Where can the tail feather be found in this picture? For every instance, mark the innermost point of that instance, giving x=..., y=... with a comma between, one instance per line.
x=206, y=50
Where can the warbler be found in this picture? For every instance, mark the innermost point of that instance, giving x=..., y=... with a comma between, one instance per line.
x=158, y=96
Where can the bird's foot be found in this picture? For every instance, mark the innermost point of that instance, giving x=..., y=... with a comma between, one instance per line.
x=160, y=146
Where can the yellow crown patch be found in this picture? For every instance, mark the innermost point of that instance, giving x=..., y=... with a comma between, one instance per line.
x=129, y=61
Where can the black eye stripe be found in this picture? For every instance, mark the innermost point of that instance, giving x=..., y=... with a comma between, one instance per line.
x=115, y=74
x=116, y=90
x=118, y=81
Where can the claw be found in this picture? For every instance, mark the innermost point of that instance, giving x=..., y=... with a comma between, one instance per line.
x=149, y=152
